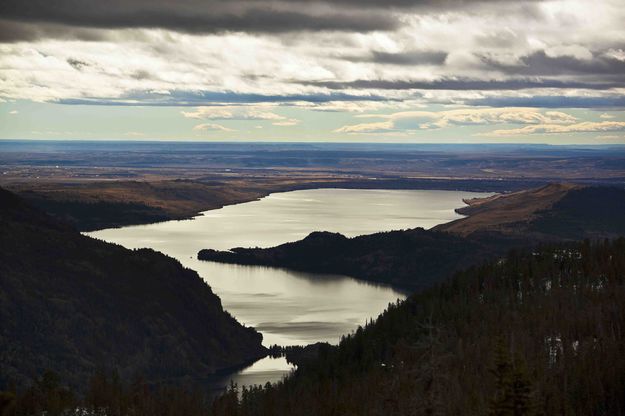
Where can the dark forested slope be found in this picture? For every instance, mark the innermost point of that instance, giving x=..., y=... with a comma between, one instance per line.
x=539, y=332
x=73, y=304
x=412, y=259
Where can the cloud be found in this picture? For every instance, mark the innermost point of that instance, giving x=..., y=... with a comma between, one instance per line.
x=232, y=113
x=20, y=31
x=135, y=134
x=199, y=98
x=62, y=17
x=13, y=112
x=286, y=123
x=606, y=116
x=426, y=120
x=196, y=16
x=341, y=56
x=462, y=84
x=76, y=63
x=540, y=63
x=352, y=106
x=553, y=101
x=584, y=127
x=239, y=113
x=402, y=58
x=377, y=127
x=610, y=137
x=211, y=127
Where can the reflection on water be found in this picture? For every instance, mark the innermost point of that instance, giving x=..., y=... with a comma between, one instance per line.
x=265, y=370
x=262, y=371
x=287, y=307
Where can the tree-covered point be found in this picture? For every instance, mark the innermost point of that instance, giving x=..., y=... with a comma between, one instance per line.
x=416, y=259
x=409, y=259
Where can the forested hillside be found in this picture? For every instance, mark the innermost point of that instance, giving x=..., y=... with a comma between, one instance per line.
x=536, y=333
x=539, y=332
x=72, y=304
x=409, y=259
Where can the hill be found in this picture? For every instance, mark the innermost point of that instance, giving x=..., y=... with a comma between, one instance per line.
x=411, y=259
x=416, y=259
x=96, y=205
x=73, y=304
x=501, y=212
x=555, y=211
x=538, y=332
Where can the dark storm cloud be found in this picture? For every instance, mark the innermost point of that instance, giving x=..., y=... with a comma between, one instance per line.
x=539, y=63
x=465, y=84
x=551, y=102
x=192, y=16
x=403, y=58
x=56, y=18
x=195, y=98
x=15, y=31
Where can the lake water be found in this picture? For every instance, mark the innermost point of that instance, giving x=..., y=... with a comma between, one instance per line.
x=289, y=307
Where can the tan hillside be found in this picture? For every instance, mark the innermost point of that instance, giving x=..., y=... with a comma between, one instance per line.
x=505, y=212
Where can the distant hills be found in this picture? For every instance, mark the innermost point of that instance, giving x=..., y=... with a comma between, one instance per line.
x=100, y=184
x=418, y=258
x=73, y=305
x=89, y=206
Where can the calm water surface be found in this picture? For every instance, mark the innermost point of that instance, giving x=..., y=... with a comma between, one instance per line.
x=288, y=307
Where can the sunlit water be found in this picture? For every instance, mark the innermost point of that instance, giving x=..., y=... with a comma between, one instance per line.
x=288, y=307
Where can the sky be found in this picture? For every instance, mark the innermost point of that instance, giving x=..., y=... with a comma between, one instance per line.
x=435, y=71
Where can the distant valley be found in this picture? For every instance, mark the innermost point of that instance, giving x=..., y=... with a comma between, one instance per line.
x=96, y=324
x=111, y=184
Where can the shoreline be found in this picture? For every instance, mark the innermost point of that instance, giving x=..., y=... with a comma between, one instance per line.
x=94, y=206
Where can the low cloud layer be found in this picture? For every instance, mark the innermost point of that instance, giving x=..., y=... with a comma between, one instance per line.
x=211, y=127
x=240, y=113
x=585, y=127
x=426, y=120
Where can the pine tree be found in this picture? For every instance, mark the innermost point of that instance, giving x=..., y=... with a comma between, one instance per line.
x=513, y=388
x=500, y=404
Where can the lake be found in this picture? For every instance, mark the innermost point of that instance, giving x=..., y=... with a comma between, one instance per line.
x=289, y=307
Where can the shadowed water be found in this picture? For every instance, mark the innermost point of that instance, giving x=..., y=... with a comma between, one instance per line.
x=288, y=307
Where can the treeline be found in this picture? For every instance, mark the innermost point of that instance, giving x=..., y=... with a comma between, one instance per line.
x=539, y=332
x=106, y=395
x=410, y=259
